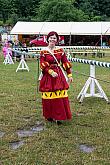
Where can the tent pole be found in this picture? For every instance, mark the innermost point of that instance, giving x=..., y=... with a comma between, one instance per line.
x=101, y=35
x=101, y=40
x=70, y=40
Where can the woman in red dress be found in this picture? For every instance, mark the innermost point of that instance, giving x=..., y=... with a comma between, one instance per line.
x=53, y=84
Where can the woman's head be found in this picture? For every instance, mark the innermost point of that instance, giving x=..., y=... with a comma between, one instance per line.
x=52, y=35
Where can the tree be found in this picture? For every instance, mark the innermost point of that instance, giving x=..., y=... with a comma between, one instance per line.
x=56, y=10
x=25, y=8
x=15, y=10
x=5, y=9
x=104, y=7
x=96, y=9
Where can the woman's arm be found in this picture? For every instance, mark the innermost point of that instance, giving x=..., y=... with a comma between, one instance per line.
x=67, y=66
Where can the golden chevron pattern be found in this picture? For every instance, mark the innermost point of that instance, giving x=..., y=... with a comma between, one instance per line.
x=54, y=95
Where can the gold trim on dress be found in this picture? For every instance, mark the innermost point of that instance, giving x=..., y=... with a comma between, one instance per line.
x=54, y=95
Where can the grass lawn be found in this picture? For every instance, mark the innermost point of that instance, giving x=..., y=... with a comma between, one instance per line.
x=83, y=141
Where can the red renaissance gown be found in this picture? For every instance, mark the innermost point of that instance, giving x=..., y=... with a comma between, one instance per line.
x=54, y=89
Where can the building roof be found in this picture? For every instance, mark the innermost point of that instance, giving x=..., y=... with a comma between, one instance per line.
x=62, y=28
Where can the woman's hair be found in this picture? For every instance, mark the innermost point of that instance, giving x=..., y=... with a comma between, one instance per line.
x=51, y=34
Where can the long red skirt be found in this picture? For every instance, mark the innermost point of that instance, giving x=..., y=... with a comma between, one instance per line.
x=58, y=108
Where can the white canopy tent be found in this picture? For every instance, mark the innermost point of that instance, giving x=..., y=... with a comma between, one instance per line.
x=62, y=28
x=27, y=28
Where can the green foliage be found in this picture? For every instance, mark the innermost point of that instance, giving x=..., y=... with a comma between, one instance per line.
x=14, y=18
x=1, y=23
x=104, y=7
x=98, y=10
x=59, y=11
x=96, y=18
x=5, y=9
x=15, y=9
x=25, y=8
x=45, y=10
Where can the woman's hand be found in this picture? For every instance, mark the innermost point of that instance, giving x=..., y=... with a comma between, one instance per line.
x=54, y=74
x=70, y=80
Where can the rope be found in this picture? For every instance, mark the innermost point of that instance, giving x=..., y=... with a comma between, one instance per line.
x=28, y=49
x=24, y=53
x=90, y=62
x=68, y=48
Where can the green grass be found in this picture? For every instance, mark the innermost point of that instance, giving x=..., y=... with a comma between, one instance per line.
x=55, y=145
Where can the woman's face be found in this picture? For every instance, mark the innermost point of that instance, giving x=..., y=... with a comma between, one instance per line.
x=52, y=40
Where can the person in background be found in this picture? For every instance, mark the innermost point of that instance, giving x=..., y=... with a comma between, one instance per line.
x=16, y=55
x=16, y=44
x=25, y=49
x=53, y=84
x=6, y=49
